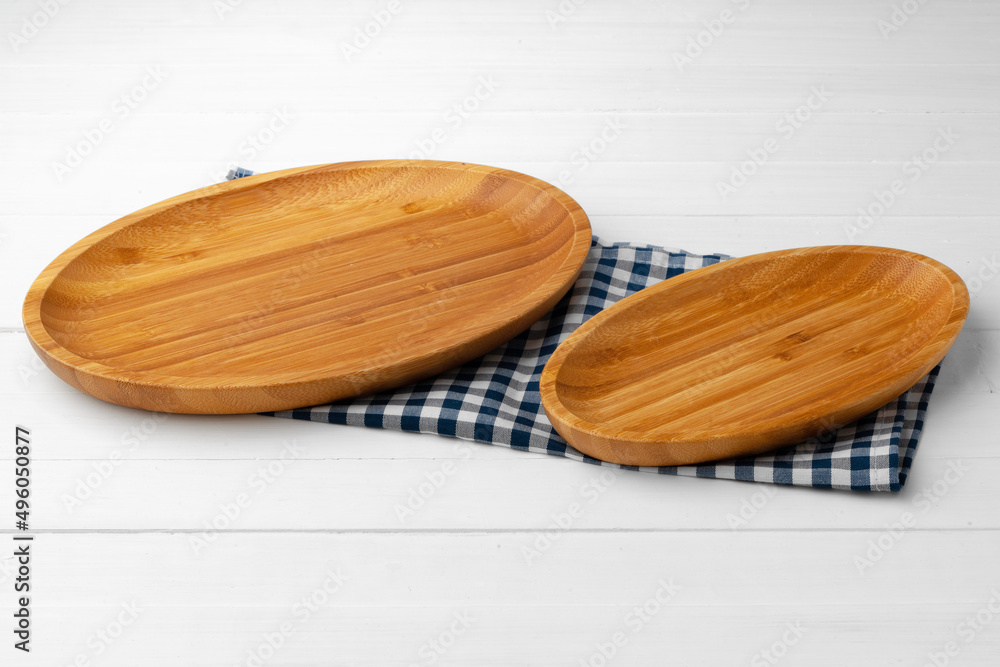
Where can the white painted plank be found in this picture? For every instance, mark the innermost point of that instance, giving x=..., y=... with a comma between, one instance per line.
x=398, y=593
x=213, y=496
x=293, y=33
x=488, y=136
x=187, y=12
x=601, y=187
x=566, y=80
x=392, y=569
x=972, y=365
x=212, y=634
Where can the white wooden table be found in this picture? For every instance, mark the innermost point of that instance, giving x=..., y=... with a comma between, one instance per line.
x=717, y=126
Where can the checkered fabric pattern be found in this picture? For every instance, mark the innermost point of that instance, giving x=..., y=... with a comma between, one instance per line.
x=494, y=399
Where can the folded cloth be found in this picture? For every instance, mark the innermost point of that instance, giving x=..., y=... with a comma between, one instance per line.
x=494, y=399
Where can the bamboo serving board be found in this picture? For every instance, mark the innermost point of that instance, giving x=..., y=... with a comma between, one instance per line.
x=751, y=354
x=306, y=285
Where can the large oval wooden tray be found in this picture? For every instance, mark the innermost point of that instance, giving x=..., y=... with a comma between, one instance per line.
x=752, y=354
x=306, y=285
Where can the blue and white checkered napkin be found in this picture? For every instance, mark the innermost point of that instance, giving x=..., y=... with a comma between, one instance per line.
x=494, y=399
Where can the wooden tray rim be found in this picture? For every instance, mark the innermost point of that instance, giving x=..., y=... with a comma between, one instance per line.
x=53, y=353
x=916, y=367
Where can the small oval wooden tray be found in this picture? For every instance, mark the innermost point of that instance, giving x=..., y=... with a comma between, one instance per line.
x=752, y=354
x=306, y=285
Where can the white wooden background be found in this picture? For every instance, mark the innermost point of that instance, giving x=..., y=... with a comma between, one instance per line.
x=246, y=540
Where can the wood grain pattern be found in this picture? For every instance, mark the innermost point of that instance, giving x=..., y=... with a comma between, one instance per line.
x=752, y=354
x=305, y=285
